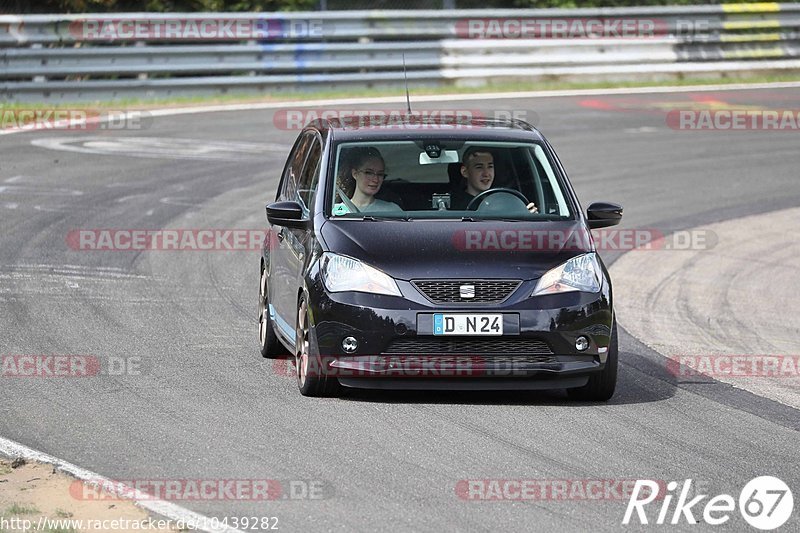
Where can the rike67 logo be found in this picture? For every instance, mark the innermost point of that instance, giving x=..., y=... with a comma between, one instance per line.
x=765, y=503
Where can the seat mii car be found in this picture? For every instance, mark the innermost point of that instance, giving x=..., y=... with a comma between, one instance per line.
x=431, y=255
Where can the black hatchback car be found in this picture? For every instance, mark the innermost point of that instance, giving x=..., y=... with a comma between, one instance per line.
x=435, y=255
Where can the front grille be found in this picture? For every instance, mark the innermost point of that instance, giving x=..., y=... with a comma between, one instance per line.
x=467, y=346
x=444, y=291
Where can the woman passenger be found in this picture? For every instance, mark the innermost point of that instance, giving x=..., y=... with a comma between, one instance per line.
x=361, y=178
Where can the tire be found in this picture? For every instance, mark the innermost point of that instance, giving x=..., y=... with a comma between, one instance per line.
x=271, y=347
x=601, y=385
x=314, y=383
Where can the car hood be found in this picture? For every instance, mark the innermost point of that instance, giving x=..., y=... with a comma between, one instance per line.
x=452, y=249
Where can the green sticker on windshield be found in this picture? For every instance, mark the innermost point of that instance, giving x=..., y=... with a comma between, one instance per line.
x=340, y=209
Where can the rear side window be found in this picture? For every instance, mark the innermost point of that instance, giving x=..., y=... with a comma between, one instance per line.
x=294, y=166
x=310, y=176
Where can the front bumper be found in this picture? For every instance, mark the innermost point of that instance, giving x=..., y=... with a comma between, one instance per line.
x=462, y=372
x=397, y=348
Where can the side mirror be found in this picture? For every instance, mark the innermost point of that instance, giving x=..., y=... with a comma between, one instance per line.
x=287, y=214
x=603, y=215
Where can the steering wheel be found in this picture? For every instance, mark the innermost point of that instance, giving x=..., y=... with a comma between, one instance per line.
x=475, y=202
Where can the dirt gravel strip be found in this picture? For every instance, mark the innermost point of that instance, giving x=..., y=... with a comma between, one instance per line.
x=36, y=497
x=729, y=312
x=51, y=496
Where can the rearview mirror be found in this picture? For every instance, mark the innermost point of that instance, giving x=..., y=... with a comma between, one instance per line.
x=287, y=214
x=446, y=156
x=603, y=215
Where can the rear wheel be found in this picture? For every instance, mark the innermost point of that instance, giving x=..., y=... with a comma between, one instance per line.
x=312, y=378
x=270, y=345
x=601, y=384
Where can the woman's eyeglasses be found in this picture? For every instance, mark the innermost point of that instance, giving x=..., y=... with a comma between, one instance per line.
x=372, y=174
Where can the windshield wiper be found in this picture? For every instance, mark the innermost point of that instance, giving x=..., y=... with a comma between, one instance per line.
x=373, y=218
x=503, y=219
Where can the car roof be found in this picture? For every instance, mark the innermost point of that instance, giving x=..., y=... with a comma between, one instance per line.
x=404, y=126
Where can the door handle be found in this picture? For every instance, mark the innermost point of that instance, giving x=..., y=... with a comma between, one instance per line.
x=281, y=235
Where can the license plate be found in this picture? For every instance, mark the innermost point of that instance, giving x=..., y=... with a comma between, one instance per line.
x=452, y=324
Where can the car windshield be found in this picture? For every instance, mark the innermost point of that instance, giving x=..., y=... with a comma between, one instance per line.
x=423, y=179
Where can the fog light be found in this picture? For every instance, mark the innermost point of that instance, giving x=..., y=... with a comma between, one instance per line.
x=581, y=343
x=349, y=344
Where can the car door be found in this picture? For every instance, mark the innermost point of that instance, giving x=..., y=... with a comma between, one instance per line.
x=283, y=263
x=298, y=242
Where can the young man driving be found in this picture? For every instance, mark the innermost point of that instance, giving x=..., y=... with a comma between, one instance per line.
x=477, y=169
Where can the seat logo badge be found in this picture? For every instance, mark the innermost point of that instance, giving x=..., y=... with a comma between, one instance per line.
x=467, y=291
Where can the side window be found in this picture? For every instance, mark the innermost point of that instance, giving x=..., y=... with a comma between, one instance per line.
x=294, y=165
x=310, y=177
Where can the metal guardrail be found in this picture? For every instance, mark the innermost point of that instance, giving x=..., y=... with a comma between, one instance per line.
x=80, y=57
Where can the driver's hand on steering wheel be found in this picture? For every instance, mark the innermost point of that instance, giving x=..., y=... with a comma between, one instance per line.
x=532, y=208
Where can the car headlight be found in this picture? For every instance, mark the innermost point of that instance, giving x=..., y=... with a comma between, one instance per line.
x=341, y=273
x=581, y=273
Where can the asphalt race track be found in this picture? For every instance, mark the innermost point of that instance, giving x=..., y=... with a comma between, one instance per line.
x=203, y=404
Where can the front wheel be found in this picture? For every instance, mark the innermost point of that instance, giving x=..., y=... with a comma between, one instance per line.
x=312, y=379
x=601, y=384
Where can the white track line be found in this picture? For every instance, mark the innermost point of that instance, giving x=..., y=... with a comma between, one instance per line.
x=159, y=507
x=401, y=99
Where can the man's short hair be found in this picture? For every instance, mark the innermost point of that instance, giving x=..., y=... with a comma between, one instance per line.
x=472, y=150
